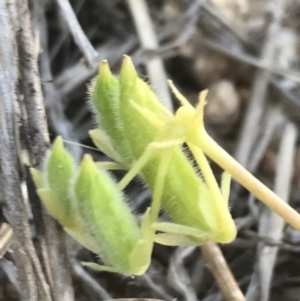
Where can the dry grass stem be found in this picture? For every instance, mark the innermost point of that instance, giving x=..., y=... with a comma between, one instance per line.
x=219, y=268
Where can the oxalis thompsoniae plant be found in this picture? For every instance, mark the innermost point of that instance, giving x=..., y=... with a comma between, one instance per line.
x=138, y=132
x=145, y=138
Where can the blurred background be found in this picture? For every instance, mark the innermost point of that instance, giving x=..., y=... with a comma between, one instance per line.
x=247, y=53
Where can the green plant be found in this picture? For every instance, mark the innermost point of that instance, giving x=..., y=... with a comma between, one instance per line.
x=142, y=135
x=145, y=138
x=138, y=132
x=88, y=204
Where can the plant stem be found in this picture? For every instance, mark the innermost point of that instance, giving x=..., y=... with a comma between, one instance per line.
x=246, y=179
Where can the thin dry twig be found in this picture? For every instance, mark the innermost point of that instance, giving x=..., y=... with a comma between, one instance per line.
x=251, y=60
x=76, y=75
x=273, y=118
x=252, y=120
x=11, y=272
x=6, y=235
x=148, y=38
x=135, y=299
x=80, y=38
x=64, y=30
x=219, y=268
x=90, y=282
x=239, y=32
x=177, y=275
x=254, y=238
x=271, y=225
x=53, y=99
x=158, y=290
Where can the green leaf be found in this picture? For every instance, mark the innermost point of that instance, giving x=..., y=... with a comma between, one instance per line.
x=106, y=215
x=60, y=168
x=143, y=120
x=105, y=101
x=56, y=208
x=37, y=177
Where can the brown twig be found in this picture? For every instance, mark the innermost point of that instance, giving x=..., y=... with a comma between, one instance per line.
x=31, y=277
x=219, y=268
x=50, y=234
x=6, y=235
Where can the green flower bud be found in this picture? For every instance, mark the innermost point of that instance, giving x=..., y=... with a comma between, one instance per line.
x=143, y=120
x=53, y=185
x=105, y=101
x=106, y=215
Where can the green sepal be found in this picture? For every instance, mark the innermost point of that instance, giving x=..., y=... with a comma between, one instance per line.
x=105, y=214
x=53, y=184
x=56, y=208
x=60, y=168
x=38, y=178
x=101, y=268
x=132, y=87
x=84, y=238
x=103, y=143
x=105, y=102
x=128, y=74
x=105, y=90
x=88, y=188
x=140, y=257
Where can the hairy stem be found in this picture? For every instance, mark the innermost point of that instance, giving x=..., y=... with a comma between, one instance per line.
x=246, y=179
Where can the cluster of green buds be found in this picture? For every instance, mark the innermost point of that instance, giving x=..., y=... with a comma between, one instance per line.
x=142, y=136
x=137, y=131
x=86, y=201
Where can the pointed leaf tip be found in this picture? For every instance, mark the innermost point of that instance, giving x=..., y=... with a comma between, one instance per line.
x=202, y=97
x=59, y=153
x=127, y=57
x=37, y=177
x=59, y=140
x=127, y=69
x=59, y=169
x=127, y=61
x=87, y=159
x=58, y=144
x=87, y=163
x=104, y=69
